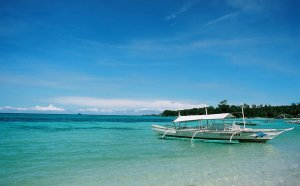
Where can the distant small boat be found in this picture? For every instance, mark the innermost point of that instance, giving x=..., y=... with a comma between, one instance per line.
x=246, y=123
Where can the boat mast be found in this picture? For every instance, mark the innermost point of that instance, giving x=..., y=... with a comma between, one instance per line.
x=243, y=116
x=206, y=114
x=179, y=116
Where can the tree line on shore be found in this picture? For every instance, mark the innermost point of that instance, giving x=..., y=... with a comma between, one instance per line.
x=266, y=111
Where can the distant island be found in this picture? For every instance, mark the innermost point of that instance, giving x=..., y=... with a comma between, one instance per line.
x=266, y=111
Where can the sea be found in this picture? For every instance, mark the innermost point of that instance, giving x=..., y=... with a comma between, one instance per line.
x=109, y=150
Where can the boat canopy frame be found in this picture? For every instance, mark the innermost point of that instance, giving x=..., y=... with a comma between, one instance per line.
x=201, y=118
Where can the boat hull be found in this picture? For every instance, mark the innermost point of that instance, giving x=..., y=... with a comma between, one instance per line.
x=244, y=135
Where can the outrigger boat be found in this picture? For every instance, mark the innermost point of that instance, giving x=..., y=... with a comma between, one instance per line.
x=213, y=128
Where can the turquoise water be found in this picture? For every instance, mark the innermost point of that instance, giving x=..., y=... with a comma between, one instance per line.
x=38, y=149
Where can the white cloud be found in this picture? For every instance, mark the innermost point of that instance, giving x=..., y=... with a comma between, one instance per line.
x=238, y=42
x=93, y=110
x=240, y=6
x=98, y=104
x=222, y=18
x=247, y=5
x=36, y=108
x=270, y=64
x=181, y=10
x=48, y=108
x=13, y=108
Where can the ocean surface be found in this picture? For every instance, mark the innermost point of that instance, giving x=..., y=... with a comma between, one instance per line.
x=41, y=149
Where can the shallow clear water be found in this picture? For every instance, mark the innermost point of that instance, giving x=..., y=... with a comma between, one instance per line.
x=38, y=149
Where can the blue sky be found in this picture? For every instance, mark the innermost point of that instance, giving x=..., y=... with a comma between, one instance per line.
x=135, y=57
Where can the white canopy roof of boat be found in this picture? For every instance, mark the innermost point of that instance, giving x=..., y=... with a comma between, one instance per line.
x=203, y=117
